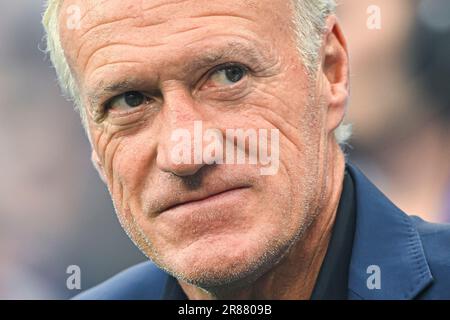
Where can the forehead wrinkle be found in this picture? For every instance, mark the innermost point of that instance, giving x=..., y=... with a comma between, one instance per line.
x=91, y=5
x=137, y=15
x=92, y=14
x=159, y=5
x=182, y=30
x=141, y=6
x=85, y=14
x=84, y=39
x=114, y=63
x=109, y=46
x=105, y=23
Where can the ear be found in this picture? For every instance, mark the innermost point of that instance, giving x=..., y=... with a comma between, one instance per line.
x=98, y=166
x=335, y=68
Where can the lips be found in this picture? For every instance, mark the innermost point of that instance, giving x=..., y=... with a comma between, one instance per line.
x=201, y=199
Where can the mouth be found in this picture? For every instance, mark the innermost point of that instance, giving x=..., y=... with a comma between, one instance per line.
x=209, y=199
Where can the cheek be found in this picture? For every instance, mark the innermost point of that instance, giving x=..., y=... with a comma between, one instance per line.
x=299, y=125
x=282, y=104
x=126, y=159
x=293, y=181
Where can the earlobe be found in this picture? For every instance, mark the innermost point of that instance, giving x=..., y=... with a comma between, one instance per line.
x=335, y=68
x=98, y=166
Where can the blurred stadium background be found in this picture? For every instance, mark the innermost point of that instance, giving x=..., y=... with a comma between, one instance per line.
x=55, y=211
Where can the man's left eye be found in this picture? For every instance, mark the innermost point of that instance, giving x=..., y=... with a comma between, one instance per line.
x=227, y=76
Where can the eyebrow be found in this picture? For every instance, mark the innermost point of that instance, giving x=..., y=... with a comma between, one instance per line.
x=207, y=59
x=229, y=50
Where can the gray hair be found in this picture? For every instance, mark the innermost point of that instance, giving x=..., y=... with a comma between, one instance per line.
x=309, y=20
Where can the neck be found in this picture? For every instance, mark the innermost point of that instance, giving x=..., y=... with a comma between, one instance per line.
x=295, y=275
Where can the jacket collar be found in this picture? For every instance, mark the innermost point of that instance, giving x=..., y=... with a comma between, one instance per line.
x=385, y=238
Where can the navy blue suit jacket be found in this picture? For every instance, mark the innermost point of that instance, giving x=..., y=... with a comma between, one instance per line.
x=395, y=256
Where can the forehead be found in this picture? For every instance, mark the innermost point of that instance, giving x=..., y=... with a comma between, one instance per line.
x=108, y=32
x=148, y=12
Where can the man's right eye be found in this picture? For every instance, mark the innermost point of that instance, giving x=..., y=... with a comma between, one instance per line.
x=128, y=100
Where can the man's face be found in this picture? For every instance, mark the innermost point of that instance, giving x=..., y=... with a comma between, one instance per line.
x=147, y=68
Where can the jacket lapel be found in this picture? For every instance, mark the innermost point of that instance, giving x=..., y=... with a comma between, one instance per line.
x=388, y=261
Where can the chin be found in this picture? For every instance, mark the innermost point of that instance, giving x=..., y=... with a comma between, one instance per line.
x=223, y=260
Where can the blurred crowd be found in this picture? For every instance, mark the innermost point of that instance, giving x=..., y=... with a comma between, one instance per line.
x=400, y=100
x=55, y=211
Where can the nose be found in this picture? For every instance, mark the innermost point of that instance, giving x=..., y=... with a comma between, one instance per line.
x=179, y=149
x=166, y=163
